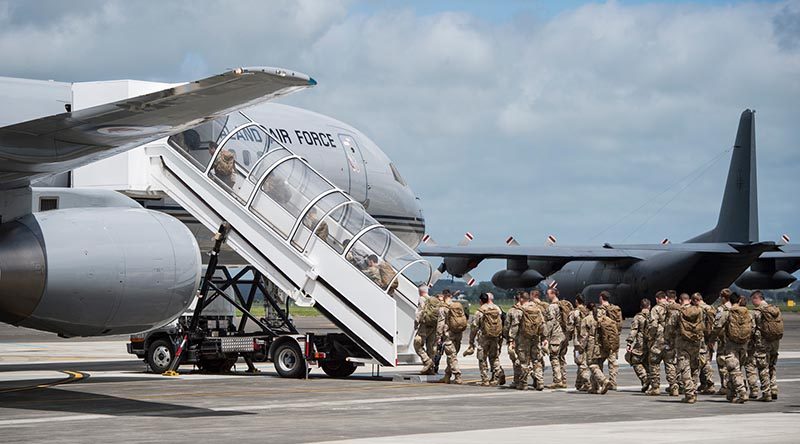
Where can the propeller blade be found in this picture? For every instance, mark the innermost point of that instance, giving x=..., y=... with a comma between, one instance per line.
x=428, y=240
x=467, y=239
x=551, y=240
x=665, y=241
x=511, y=242
x=469, y=279
x=785, y=238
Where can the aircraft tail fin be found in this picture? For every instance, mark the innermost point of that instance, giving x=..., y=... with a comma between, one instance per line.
x=738, y=215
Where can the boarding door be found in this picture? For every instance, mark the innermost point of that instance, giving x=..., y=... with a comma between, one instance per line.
x=356, y=167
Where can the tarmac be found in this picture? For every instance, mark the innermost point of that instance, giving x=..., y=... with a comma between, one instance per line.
x=91, y=390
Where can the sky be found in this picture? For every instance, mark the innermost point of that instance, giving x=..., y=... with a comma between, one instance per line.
x=591, y=121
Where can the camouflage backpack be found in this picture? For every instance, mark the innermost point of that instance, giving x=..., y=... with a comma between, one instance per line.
x=532, y=321
x=615, y=313
x=771, y=323
x=566, y=308
x=584, y=311
x=739, y=328
x=430, y=312
x=607, y=334
x=457, y=321
x=690, y=323
x=492, y=322
x=709, y=317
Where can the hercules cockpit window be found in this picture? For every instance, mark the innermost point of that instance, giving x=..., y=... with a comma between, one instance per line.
x=396, y=174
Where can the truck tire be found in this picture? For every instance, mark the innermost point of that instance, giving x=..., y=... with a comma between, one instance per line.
x=289, y=361
x=159, y=355
x=217, y=365
x=338, y=369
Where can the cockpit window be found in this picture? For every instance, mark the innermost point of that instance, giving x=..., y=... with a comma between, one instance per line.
x=397, y=175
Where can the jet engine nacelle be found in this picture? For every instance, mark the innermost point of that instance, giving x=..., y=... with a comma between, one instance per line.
x=96, y=271
x=764, y=280
x=506, y=279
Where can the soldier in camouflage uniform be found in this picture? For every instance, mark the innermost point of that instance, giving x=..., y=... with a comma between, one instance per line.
x=719, y=346
x=655, y=340
x=767, y=341
x=582, y=378
x=425, y=338
x=513, y=317
x=536, y=296
x=749, y=364
x=707, y=350
x=528, y=347
x=669, y=356
x=735, y=346
x=488, y=347
x=615, y=313
x=556, y=339
x=594, y=353
x=451, y=341
x=637, y=344
x=688, y=341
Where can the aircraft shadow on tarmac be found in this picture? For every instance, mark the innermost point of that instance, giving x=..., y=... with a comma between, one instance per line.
x=88, y=366
x=72, y=401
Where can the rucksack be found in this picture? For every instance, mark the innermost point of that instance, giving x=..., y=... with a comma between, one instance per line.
x=532, y=321
x=584, y=311
x=457, y=321
x=492, y=322
x=430, y=312
x=690, y=323
x=607, y=334
x=615, y=313
x=566, y=308
x=739, y=328
x=771, y=323
x=710, y=316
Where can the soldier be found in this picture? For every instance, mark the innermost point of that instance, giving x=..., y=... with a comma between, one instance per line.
x=582, y=381
x=669, y=356
x=655, y=340
x=425, y=339
x=707, y=349
x=736, y=325
x=615, y=313
x=513, y=318
x=525, y=336
x=487, y=327
x=768, y=334
x=591, y=342
x=688, y=341
x=423, y=297
x=536, y=296
x=637, y=348
x=724, y=305
x=450, y=326
x=556, y=339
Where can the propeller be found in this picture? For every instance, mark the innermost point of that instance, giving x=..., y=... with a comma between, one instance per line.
x=511, y=242
x=785, y=238
x=665, y=241
x=551, y=240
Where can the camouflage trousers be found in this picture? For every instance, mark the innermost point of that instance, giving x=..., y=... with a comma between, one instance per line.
x=751, y=373
x=613, y=367
x=766, y=358
x=514, y=357
x=583, y=376
x=734, y=357
x=425, y=343
x=723, y=371
x=488, y=353
x=597, y=378
x=452, y=344
x=688, y=354
x=706, y=369
x=655, y=358
x=529, y=352
x=639, y=364
x=558, y=361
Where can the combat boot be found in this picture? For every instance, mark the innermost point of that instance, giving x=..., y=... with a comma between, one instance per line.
x=774, y=396
x=458, y=379
x=722, y=391
x=690, y=399
x=485, y=383
x=645, y=388
x=674, y=390
x=753, y=396
x=739, y=400
x=445, y=379
x=493, y=383
x=708, y=390
x=652, y=392
x=605, y=388
x=766, y=397
x=426, y=368
x=501, y=380
x=521, y=386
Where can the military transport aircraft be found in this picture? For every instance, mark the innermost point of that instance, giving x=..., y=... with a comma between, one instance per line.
x=705, y=263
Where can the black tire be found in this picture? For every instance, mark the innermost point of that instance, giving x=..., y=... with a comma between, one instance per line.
x=338, y=369
x=159, y=355
x=289, y=361
x=217, y=365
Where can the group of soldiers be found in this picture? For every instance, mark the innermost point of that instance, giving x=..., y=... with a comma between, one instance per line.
x=680, y=332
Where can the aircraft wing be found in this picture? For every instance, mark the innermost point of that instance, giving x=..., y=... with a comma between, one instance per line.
x=553, y=252
x=788, y=251
x=61, y=142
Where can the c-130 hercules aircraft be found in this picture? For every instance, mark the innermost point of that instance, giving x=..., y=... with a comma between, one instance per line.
x=706, y=263
x=97, y=263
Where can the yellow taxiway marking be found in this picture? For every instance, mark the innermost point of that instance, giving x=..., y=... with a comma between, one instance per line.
x=71, y=377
